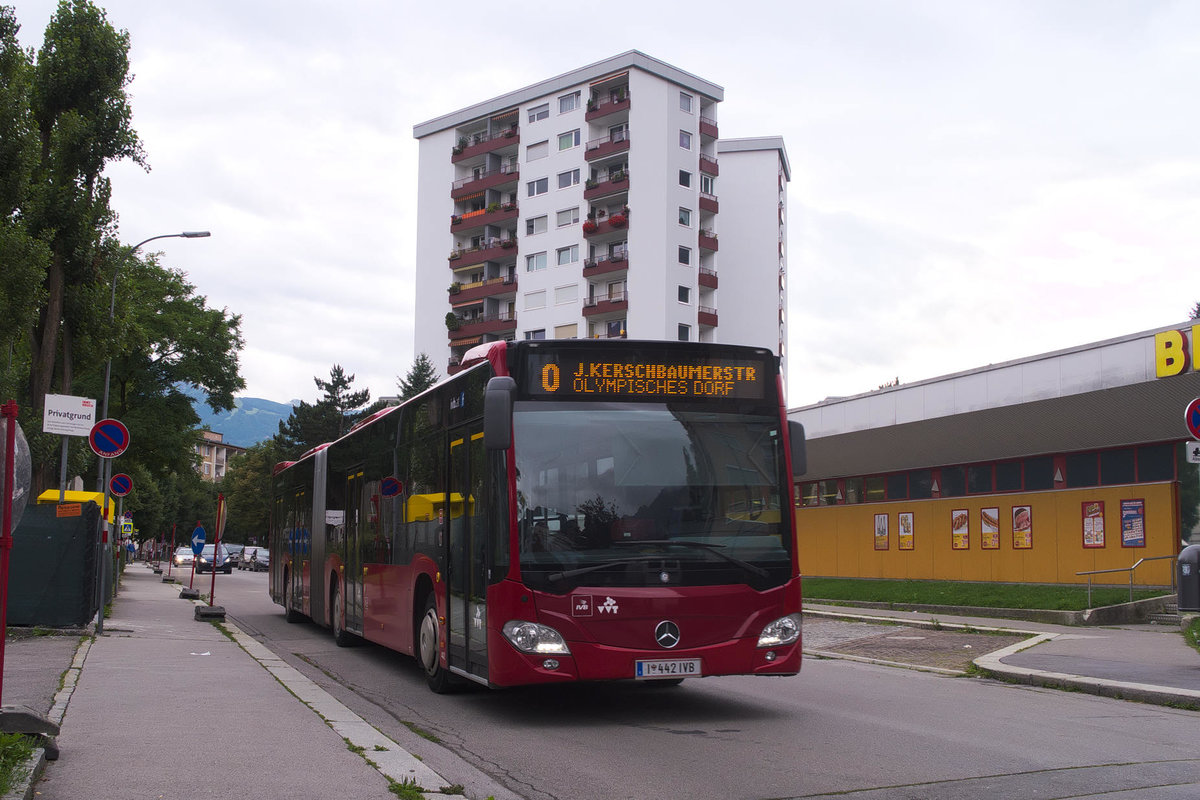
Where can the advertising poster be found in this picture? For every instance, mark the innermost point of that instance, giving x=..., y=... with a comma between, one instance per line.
x=905, y=522
x=989, y=528
x=960, y=529
x=1093, y=523
x=1022, y=518
x=881, y=531
x=1133, y=523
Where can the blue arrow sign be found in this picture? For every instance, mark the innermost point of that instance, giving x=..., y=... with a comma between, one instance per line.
x=197, y=540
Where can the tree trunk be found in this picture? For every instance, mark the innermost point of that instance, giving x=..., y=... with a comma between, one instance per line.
x=44, y=342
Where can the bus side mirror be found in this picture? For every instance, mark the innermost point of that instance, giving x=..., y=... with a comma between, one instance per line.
x=497, y=412
x=799, y=453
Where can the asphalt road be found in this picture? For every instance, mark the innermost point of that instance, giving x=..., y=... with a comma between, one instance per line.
x=840, y=726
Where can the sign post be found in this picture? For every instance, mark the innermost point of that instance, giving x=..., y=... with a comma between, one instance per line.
x=67, y=416
x=198, y=535
x=108, y=439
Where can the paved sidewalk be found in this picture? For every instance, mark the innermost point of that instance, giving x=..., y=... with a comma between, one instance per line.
x=166, y=706
x=1149, y=663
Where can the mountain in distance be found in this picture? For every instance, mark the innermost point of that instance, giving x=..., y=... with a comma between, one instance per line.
x=251, y=421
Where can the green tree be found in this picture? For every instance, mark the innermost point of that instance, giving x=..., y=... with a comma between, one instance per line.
x=326, y=420
x=1195, y=313
x=341, y=399
x=421, y=375
x=247, y=488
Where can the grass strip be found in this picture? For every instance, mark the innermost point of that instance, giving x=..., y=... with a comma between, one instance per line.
x=963, y=593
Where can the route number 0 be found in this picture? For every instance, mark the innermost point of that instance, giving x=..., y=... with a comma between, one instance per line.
x=550, y=378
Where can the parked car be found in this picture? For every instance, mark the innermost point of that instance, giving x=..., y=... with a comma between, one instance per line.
x=235, y=553
x=214, y=557
x=256, y=559
x=183, y=556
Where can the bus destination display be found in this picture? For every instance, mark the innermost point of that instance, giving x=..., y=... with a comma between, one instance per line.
x=572, y=374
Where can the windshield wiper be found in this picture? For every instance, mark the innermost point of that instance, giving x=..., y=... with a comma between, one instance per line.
x=753, y=569
x=571, y=573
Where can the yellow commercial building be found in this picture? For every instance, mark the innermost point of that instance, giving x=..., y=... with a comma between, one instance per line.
x=1031, y=471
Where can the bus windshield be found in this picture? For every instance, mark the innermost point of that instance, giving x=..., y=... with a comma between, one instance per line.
x=649, y=494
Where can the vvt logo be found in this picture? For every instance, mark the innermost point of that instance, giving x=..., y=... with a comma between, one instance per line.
x=609, y=606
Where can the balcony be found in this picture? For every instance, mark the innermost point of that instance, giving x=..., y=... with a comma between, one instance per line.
x=615, y=183
x=474, y=292
x=614, y=303
x=602, y=107
x=707, y=316
x=614, y=223
x=708, y=165
x=607, y=146
x=480, y=143
x=461, y=223
x=481, y=325
x=708, y=202
x=487, y=179
x=707, y=278
x=495, y=249
x=616, y=261
x=708, y=240
x=708, y=127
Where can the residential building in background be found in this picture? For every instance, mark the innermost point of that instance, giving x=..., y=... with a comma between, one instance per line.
x=601, y=203
x=214, y=455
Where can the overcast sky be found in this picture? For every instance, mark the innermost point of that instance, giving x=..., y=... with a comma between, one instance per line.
x=972, y=182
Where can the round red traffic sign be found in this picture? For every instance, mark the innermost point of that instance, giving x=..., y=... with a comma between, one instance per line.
x=120, y=485
x=1192, y=417
x=109, y=438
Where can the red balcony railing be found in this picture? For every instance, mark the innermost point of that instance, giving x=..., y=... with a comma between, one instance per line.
x=495, y=249
x=488, y=179
x=708, y=240
x=470, y=292
x=481, y=143
x=708, y=127
x=615, y=183
x=478, y=326
x=460, y=223
x=708, y=278
x=604, y=106
x=707, y=316
x=708, y=202
x=708, y=165
x=611, y=303
x=613, y=223
x=607, y=146
x=614, y=262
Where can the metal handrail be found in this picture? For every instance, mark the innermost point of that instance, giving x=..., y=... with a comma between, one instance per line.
x=1130, y=570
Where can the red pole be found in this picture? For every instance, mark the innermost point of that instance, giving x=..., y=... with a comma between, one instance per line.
x=212, y=592
x=171, y=552
x=9, y=410
x=192, y=579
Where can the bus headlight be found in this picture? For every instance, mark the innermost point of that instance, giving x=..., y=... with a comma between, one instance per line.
x=530, y=637
x=783, y=631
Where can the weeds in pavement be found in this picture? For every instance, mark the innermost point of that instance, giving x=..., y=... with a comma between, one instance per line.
x=15, y=751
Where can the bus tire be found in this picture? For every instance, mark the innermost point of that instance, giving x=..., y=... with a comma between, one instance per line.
x=429, y=647
x=289, y=614
x=337, y=621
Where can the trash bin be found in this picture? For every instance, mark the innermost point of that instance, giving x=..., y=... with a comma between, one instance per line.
x=1189, y=578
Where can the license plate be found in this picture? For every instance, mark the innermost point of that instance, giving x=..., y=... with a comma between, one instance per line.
x=676, y=668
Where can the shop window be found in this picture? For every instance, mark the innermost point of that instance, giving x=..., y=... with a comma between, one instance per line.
x=1008, y=476
x=979, y=479
x=1082, y=470
x=1039, y=473
x=897, y=487
x=1156, y=462
x=920, y=484
x=855, y=490
x=954, y=481
x=876, y=489
x=1117, y=466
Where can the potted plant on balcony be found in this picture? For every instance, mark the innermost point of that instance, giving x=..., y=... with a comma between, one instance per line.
x=617, y=220
x=492, y=207
x=591, y=104
x=507, y=244
x=509, y=207
x=455, y=287
x=455, y=253
x=455, y=219
x=511, y=132
x=619, y=175
x=453, y=323
x=589, y=226
x=590, y=183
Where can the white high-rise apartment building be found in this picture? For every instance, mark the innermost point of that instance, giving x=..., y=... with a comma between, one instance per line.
x=601, y=203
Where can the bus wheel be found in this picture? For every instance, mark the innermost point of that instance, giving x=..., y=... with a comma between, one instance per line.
x=429, y=647
x=290, y=614
x=340, y=637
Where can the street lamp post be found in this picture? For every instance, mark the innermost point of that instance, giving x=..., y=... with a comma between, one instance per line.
x=106, y=463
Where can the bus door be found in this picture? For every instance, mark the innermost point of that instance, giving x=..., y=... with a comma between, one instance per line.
x=466, y=511
x=297, y=549
x=353, y=558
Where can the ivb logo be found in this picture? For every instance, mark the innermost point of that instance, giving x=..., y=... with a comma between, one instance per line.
x=581, y=605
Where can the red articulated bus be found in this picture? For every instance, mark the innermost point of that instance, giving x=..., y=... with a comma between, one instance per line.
x=575, y=510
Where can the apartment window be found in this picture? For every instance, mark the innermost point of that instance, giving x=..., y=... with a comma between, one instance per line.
x=685, y=140
x=539, y=112
x=538, y=334
x=536, y=151
x=540, y=186
x=566, y=331
x=685, y=178
x=685, y=216
x=568, y=216
x=685, y=102
x=535, y=262
x=568, y=140
x=685, y=255
x=534, y=300
x=568, y=255
x=568, y=102
x=568, y=178
x=535, y=225
x=685, y=333
x=615, y=329
x=707, y=184
x=685, y=294
x=565, y=295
